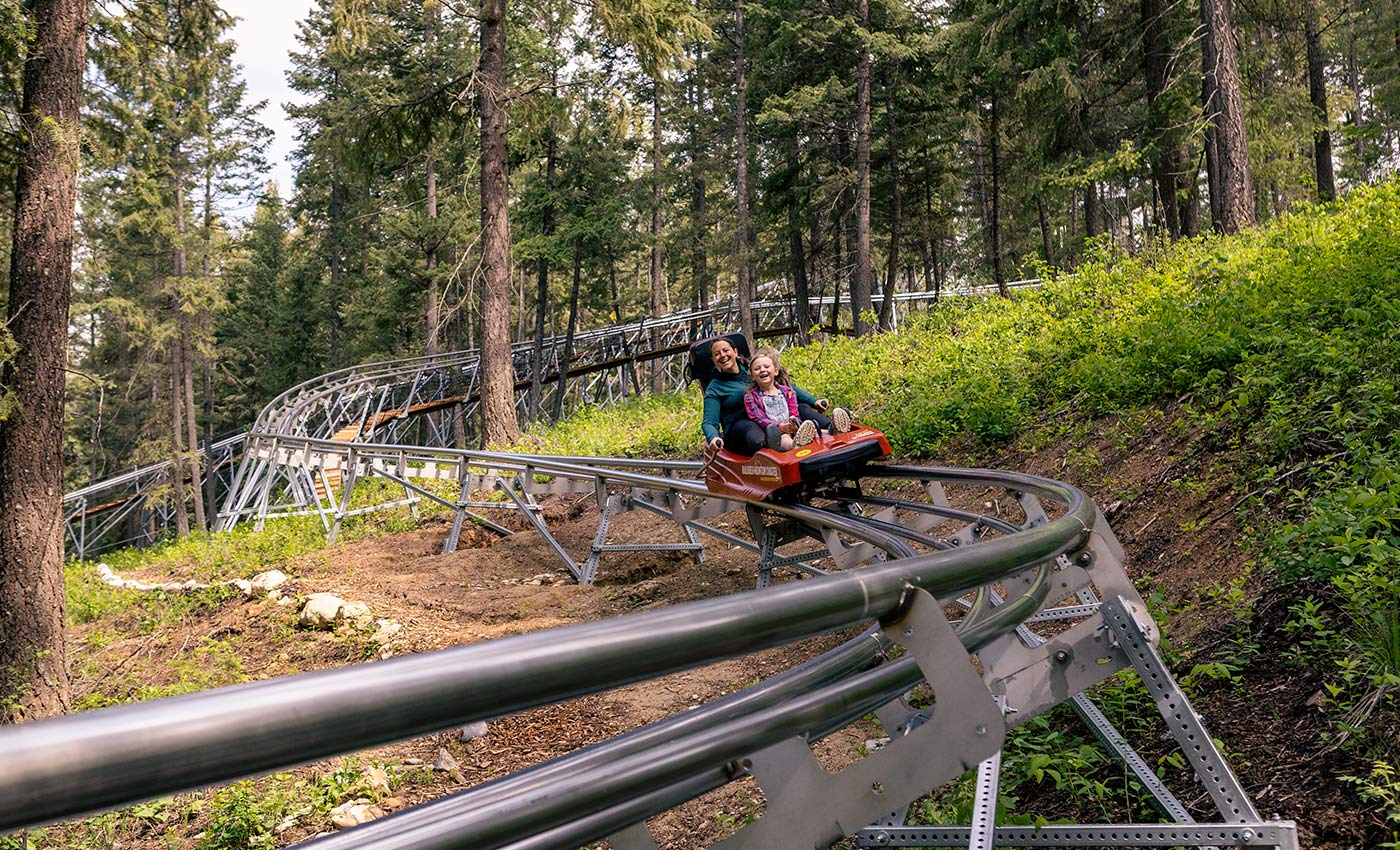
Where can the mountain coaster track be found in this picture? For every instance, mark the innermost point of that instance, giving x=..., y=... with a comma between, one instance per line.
x=950, y=601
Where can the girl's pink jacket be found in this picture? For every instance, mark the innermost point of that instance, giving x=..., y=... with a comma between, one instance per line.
x=753, y=404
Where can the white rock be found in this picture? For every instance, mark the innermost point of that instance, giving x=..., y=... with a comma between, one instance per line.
x=542, y=578
x=321, y=611
x=386, y=631
x=263, y=582
x=285, y=601
x=472, y=731
x=355, y=813
x=172, y=587
x=244, y=586
x=354, y=611
x=376, y=780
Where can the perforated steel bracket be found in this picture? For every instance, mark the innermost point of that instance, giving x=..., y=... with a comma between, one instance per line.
x=809, y=807
x=1183, y=723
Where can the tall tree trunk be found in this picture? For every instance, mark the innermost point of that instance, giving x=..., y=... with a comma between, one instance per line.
x=1354, y=83
x=838, y=255
x=32, y=651
x=1317, y=93
x=498, y=422
x=335, y=239
x=1043, y=213
x=206, y=366
x=1210, y=104
x=542, y=272
x=192, y=426
x=998, y=272
x=563, y=379
x=861, y=285
x=802, y=310
x=177, y=356
x=1156, y=66
x=433, y=307
x=741, y=178
x=1189, y=201
x=656, y=309
x=617, y=317
x=1236, y=188
x=897, y=222
x=699, y=257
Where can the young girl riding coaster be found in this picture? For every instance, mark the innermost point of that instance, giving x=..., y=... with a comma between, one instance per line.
x=774, y=405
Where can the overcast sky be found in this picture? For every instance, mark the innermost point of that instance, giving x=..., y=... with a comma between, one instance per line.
x=266, y=33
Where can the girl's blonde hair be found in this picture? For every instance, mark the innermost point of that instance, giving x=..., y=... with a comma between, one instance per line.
x=780, y=375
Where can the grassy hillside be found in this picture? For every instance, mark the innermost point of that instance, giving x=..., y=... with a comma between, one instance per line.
x=1280, y=347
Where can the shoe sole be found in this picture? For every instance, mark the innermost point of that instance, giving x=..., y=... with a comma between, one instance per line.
x=840, y=421
x=806, y=433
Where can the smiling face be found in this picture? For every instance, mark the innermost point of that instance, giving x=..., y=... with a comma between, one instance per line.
x=763, y=371
x=725, y=357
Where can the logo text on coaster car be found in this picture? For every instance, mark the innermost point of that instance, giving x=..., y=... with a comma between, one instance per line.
x=761, y=470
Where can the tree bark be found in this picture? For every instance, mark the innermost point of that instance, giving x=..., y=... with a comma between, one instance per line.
x=32, y=653
x=563, y=378
x=741, y=179
x=433, y=307
x=1156, y=66
x=192, y=427
x=498, y=422
x=1236, y=188
x=1043, y=213
x=998, y=272
x=1354, y=83
x=802, y=311
x=657, y=383
x=177, y=358
x=897, y=222
x=542, y=272
x=861, y=284
x=1317, y=94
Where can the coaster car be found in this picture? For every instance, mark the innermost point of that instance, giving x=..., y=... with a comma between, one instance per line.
x=776, y=475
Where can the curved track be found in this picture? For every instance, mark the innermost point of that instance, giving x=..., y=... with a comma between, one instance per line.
x=949, y=572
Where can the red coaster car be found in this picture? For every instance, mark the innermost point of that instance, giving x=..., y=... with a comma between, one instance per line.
x=782, y=476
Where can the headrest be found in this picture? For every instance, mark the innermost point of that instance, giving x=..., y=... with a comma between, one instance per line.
x=702, y=367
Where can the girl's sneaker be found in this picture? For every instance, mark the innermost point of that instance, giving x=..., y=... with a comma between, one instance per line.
x=785, y=444
x=840, y=420
x=806, y=433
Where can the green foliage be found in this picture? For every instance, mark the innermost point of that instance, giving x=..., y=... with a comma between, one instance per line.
x=8, y=348
x=213, y=664
x=251, y=814
x=1381, y=786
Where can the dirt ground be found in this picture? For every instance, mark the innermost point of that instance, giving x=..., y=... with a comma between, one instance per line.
x=1150, y=477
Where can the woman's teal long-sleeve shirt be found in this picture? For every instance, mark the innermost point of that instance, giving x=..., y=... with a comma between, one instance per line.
x=724, y=401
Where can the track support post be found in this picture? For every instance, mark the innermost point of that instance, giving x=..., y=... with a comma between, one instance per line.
x=809, y=807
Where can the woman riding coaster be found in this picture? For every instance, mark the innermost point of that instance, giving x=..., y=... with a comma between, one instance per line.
x=772, y=403
x=724, y=405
